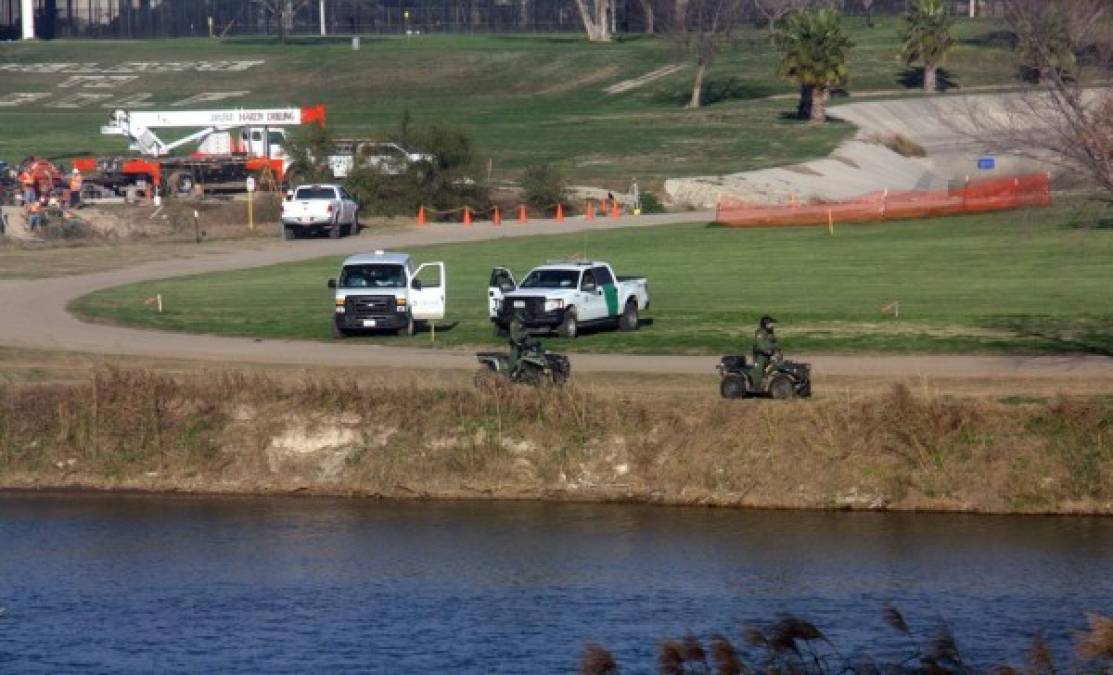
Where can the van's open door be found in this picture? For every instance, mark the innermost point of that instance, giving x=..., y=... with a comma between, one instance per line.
x=502, y=281
x=428, y=301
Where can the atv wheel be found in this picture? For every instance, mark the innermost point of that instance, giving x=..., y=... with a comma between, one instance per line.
x=628, y=320
x=734, y=386
x=529, y=374
x=781, y=387
x=486, y=378
x=568, y=328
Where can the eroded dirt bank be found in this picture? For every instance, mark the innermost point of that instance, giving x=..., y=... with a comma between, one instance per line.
x=243, y=433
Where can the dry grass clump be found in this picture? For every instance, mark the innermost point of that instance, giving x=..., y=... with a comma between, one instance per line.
x=231, y=431
x=901, y=144
x=794, y=646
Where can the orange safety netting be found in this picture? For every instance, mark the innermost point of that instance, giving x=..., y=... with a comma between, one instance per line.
x=974, y=196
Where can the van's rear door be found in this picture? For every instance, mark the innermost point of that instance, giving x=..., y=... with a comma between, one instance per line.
x=428, y=302
x=502, y=282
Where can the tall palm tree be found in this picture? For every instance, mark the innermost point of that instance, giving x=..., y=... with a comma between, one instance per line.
x=927, y=37
x=814, y=51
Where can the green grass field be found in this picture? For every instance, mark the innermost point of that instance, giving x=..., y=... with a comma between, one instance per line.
x=1032, y=281
x=525, y=99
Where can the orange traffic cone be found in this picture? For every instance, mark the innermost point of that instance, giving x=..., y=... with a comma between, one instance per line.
x=615, y=210
x=497, y=218
x=589, y=212
x=560, y=213
x=522, y=214
x=467, y=215
x=421, y=216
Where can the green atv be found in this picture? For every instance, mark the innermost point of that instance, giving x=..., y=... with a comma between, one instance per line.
x=782, y=379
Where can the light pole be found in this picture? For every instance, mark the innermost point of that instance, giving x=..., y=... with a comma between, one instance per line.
x=323, y=30
x=27, y=14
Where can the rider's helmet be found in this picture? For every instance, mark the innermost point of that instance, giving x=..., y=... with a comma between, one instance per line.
x=767, y=322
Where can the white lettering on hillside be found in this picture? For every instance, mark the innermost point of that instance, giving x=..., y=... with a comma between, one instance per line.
x=96, y=81
x=132, y=67
x=80, y=100
x=22, y=98
x=209, y=97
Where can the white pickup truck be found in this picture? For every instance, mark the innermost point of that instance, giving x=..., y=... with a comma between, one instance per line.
x=384, y=291
x=387, y=157
x=563, y=296
x=310, y=209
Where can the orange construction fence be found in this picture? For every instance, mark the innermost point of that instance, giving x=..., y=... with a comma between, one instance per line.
x=972, y=196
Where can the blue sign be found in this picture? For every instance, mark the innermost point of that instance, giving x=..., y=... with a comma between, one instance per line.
x=987, y=163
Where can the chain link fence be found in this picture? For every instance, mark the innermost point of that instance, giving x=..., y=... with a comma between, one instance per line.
x=137, y=19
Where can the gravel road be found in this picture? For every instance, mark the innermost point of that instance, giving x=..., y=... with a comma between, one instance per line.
x=33, y=315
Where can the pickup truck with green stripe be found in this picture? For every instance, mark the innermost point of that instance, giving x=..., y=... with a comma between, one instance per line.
x=563, y=296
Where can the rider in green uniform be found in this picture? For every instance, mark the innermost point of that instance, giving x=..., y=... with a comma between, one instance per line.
x=520, y=342
x=766, y=350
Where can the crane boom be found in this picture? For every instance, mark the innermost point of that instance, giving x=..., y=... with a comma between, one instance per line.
x=139, y=126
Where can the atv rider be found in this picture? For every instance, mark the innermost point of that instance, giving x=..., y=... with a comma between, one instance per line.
x=520, y=342
x=766, y=350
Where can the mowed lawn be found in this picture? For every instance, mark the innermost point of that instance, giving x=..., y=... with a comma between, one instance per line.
x=524, y=98
x=1023, y=282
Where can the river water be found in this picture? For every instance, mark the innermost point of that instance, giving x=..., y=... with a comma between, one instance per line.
x=132, y=583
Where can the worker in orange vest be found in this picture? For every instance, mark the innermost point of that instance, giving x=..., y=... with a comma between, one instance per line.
x=76, y=182
x=36, y=216
x=27, y=183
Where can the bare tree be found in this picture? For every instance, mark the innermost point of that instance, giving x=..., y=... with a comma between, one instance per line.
x=282, y=12
x=596, y=15
x=706, y=26
x=649, y=16
x=1067, y=123
x=868, y=6
x=775, y=10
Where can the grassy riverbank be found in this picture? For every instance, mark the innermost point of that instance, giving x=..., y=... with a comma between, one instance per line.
x=131, y=429
x=1032, y=281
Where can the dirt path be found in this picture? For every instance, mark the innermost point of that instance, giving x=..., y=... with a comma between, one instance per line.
x=33, y=316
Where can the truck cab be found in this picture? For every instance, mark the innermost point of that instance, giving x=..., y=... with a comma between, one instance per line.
x=385, y=291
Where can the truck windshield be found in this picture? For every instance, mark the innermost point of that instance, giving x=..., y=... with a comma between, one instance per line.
x=373, y=276
x=315, y=193
x=551, y=279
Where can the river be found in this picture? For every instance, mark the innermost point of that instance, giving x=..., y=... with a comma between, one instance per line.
x=138, y=583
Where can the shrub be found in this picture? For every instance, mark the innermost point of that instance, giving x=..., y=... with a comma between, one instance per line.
x=543, y=186
x=442, y=184
x=650, y=203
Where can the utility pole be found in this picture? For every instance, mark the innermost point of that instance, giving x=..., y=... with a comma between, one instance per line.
x=324, y=31
x=27, y=14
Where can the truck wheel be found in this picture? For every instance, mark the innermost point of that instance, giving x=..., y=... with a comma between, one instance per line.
x=356, y=227
x=734, y=386
x=499, y=330
x=568, y=327
x=334, y=231
x=628, y=320
x=780, y=387
x=288, y=233
x=338, y=332
x=180, y=183
x=410, y=328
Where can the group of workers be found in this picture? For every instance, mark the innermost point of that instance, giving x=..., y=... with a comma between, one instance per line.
x=40, y=195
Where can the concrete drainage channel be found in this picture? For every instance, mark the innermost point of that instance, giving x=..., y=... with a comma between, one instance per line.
x=940, y=126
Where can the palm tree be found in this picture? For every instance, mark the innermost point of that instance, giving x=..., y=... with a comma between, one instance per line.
x=814, y=51
x=927, y=37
